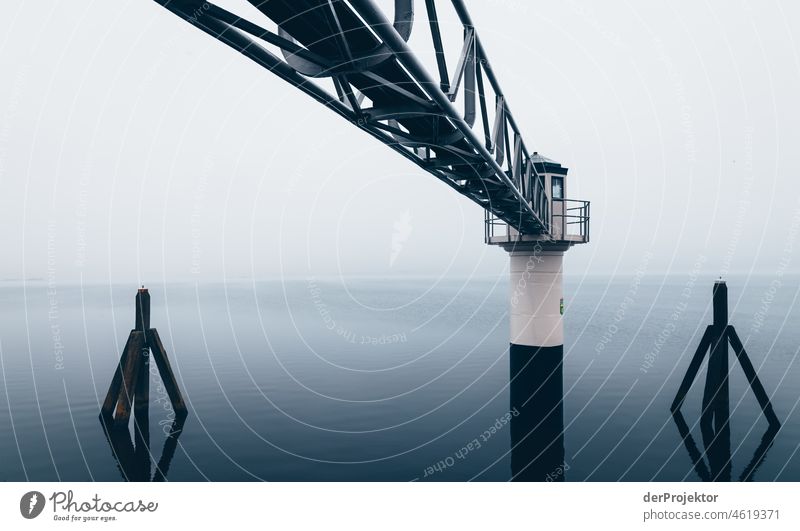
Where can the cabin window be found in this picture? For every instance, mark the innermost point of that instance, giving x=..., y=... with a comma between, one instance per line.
x=558, y=188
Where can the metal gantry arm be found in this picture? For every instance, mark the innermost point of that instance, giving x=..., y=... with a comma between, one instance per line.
x=379, y=84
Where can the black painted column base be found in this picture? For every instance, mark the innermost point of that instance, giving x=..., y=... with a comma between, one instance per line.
x=537, y=409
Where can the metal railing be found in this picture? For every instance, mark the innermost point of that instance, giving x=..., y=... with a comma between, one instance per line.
x=573, y=220
x=494, y=227
x=570, y=224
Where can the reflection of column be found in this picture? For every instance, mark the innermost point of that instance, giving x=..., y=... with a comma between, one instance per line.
x=536, y=362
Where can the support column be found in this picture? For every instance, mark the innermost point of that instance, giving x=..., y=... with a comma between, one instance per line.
x=536, y=364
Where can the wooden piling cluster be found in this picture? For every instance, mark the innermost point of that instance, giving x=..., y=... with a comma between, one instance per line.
x=130, y=386
x=716, y=339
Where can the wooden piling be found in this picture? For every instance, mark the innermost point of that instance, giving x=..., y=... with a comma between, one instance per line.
x=165, y=369
x=143, y=309
x=129, y=375
x=694, y=367
x=141, y=407
x=716, y=395
x=752, y=377
x=129, y=390
x=717, y=338
x=116, y=383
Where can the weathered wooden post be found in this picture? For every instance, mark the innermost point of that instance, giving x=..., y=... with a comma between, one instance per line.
x=130, y=386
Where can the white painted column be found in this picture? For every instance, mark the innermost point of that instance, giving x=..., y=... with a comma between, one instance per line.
x=536, y=297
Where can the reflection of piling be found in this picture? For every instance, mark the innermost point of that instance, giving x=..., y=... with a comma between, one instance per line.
x=134, y=462
x=715, y=416
x=537, y=432
x=130, y=386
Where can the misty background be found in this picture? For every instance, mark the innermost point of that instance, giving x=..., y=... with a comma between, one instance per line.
x=135, y=148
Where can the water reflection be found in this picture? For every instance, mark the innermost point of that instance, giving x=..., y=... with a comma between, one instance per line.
x=718, y=452
x=537, y=406
x=715, y=464
x=760, y=454
x=134, y=456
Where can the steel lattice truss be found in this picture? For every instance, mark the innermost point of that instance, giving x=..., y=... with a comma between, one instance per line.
x=379, y=84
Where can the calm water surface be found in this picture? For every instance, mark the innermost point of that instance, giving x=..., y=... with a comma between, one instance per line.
x=372, y=379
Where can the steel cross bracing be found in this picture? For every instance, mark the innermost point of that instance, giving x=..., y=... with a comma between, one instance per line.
x=379, y=84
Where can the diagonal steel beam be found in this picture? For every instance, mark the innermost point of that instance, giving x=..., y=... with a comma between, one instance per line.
x=383, y=28
x=376, y=63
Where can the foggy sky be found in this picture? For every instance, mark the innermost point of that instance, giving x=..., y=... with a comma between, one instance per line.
x=135, y=148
